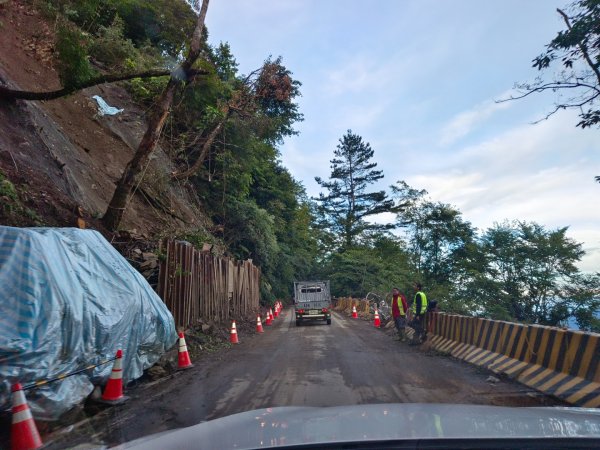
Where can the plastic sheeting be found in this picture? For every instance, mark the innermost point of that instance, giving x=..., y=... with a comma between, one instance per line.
x=104, y=109
x=68, y=299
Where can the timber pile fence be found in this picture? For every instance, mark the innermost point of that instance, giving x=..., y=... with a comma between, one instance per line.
x=197, y=284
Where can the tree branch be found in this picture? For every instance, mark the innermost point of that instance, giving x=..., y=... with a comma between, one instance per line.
x=566, y=106
x=584, y=51
x=11, y=94
x=205, y=149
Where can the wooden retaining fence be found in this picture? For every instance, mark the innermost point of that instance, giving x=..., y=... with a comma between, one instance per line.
x=195, y=284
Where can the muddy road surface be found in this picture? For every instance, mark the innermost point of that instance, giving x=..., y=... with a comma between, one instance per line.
x=346, y=363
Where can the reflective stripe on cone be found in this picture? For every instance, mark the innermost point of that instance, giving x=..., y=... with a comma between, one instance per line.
x=24, y=434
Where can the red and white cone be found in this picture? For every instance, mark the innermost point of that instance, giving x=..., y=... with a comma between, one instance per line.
x=233, y=336
x=24, y=434
x=271, y=315
x=354, y=313
x=259, y=327
x=268, y=319
x=113, y=392
x=184, y=361
x=276, y=311
x=377, y=322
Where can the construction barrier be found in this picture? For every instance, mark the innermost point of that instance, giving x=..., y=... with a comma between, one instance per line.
x=345, y=304
x=555, y=361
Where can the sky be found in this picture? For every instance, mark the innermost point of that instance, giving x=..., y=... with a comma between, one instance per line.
x=419, y=80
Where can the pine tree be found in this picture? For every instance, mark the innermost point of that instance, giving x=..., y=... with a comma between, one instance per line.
x=344, y=209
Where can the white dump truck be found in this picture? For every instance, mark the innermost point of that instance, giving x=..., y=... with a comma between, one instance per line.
x=312, y=300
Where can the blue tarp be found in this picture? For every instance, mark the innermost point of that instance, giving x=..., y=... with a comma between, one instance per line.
x=68, y=299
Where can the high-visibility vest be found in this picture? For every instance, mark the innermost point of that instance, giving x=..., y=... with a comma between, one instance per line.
x=423, y=304
x=400, y=307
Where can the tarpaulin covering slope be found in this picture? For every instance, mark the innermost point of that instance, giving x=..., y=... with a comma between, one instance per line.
x=68, y=299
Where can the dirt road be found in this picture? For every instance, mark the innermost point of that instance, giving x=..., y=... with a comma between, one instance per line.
x=349, y=362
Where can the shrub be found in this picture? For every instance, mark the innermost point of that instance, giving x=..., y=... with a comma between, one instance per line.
x=73, y=65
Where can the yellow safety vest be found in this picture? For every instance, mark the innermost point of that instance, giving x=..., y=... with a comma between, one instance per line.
x=400, y=307
x=423, y=304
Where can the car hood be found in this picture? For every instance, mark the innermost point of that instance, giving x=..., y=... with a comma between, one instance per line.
x=288, y=426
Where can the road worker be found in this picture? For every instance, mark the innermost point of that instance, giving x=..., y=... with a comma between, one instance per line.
x=419, y=308
x=399, y=309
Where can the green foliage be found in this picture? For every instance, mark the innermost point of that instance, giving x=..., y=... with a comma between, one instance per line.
x=146, y=90
x=249, y=233
x=119, y=35
x=74, y=67
x=581, y=300
x=439, y=240
x=199, y=237
x=530, y=265
x=165, y=24
x=115, y=51
x=225, y=62
x=12, y=211
x=577, y=50
x=7, y=189
x=347, y=204
x=376, y=265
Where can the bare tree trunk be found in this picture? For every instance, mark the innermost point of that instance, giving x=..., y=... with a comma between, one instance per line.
x=116, y=208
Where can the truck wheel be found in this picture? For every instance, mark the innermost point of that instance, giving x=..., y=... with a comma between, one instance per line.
x=328, y=321
x=297, y=323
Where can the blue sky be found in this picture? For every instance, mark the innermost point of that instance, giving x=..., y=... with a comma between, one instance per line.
x=418, y=80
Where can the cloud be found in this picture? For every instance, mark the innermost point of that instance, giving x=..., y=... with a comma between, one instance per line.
x=542, y=173
x=306, y=164
x=358, y=118
x=462, y=124
x=356, y=75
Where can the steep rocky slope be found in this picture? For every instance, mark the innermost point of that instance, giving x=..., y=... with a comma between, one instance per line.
x=62, y=157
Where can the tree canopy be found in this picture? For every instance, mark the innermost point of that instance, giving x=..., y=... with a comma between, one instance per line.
x=344, y=209
x=577, y=50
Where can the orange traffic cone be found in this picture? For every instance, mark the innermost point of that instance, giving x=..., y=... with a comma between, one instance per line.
x=24, y=434
x=113, y=393
x=271, y=315
x=276, y=311
x=184, y=357
x=377, y=322
x=354, y=313
x=268, y=319
x=259, y=327
x=233, y=337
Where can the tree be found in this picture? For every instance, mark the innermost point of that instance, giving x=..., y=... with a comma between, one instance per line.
x=531, y=275
x=578, y=50
x=441, y=248
x=347, y=205
x=116, y=208
x=378, y=263
x=15, y=94
x=264, y=100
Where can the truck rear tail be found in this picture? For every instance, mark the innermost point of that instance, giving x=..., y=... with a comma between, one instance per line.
x=312, y=300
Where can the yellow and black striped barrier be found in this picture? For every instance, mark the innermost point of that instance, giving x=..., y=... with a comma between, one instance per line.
x=558, y=362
